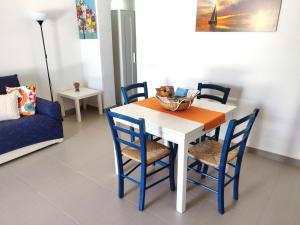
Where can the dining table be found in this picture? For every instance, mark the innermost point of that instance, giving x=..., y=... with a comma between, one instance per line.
x=179, y=129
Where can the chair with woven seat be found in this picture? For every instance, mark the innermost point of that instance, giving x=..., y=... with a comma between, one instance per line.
x=131, y=94
x=209, y=152
x=219, y=156
x=222, y=98
x=143, y=152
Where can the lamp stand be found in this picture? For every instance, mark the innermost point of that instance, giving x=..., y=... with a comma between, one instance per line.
x=46, y=58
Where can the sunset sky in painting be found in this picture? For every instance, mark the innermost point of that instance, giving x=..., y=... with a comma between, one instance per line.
x=239, y=15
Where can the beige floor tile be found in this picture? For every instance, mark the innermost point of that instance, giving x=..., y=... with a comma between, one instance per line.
x=284, y=204
x=74, y=183
x=22, y=205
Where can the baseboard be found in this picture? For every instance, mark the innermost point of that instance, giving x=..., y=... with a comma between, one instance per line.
x=273, y=156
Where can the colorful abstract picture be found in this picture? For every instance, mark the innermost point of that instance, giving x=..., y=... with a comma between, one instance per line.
x=238, y=15
x=86, y=18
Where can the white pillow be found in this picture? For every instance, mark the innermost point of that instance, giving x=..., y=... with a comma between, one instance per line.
x=9, y=109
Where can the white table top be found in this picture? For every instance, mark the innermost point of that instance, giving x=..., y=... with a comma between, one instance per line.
x=170, y=123
x=83, y=93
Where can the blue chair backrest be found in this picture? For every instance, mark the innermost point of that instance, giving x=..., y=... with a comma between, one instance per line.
x=118, y=131
x=236, y=138
x=224, y=90
x=129, y=98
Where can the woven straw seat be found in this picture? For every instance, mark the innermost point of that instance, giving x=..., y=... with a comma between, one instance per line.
x=155, y=151
x=209, y=152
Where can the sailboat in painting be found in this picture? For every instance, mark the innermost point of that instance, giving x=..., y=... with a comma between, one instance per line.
x=213, y=20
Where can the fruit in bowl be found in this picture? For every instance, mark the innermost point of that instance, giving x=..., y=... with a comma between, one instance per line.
x=179, y=101
x=165, y=91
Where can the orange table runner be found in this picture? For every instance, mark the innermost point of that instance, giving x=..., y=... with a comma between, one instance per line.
x=209, y=118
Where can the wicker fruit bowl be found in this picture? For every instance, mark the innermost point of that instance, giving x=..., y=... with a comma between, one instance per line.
x=173, y=103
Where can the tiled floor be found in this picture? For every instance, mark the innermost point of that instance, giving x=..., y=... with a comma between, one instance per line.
x=74, y=183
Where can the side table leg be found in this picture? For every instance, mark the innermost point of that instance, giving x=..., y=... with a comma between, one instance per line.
x=100, y=104
x=77, y=107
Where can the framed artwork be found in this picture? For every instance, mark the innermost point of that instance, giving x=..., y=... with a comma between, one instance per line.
x=86, y=19
x=238, y=15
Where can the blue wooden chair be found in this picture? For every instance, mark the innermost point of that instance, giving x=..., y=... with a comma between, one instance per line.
x=130, y=93
x=144, y=152
x=218, y=156
x=222, y=98
x=224, y=91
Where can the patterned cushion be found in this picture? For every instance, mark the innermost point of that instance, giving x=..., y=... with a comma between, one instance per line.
x=26, y=98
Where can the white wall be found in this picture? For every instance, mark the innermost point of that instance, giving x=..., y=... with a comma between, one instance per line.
x=106, y=51
x=97, y=56
x=262, y=69
x=21, y=44
x=70, y=59
x=91, y=60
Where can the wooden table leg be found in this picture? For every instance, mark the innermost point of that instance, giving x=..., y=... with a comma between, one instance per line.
x=115, y=157
x=77, y=108
x=116, y=161
x=100, y=104
x=181, y=176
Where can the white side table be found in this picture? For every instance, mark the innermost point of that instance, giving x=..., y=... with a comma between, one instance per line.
x=84, y=93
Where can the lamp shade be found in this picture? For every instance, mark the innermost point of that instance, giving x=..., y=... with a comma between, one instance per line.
x=39, y=16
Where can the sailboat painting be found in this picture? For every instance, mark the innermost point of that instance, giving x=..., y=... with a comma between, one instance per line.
x=237, y=15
